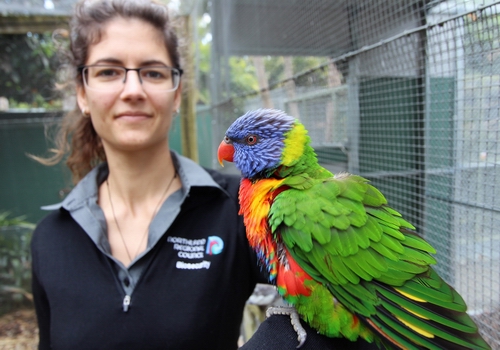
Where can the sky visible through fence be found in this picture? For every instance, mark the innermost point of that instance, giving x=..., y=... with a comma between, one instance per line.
x=405, y=93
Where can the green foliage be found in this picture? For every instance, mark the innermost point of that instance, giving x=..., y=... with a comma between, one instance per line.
x=243, y=76
x=276, y=73
x=203, y=61
x=28, y=68
x=5, y=221
x=38, y=102
x=15, y=262
x=481, y=37
x=274, y=68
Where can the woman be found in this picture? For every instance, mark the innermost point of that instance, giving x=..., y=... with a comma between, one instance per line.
x=148, y=250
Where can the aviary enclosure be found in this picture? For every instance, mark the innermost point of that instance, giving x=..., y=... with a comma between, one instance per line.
x=405, y=93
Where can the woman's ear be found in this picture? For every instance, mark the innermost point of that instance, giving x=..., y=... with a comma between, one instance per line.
x=178, y=97
x=81, y=99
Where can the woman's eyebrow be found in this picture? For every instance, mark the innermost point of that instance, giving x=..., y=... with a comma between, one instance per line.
x=114, y=61
x=154, y=63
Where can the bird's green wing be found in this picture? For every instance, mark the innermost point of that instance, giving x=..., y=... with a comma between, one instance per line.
x=344, y=235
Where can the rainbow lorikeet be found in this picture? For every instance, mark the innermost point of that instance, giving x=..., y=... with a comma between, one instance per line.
x=348, y=263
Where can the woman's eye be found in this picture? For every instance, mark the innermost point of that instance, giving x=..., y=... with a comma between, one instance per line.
x=251, y=140
x=108, y=73
x=154, y=75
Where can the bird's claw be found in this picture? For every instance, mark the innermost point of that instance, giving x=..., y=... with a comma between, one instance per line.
x=294, y=319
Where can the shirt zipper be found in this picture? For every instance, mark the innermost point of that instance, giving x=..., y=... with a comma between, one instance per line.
x=126, y=303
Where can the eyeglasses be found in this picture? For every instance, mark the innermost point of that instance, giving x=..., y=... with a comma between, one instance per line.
x=112, y=78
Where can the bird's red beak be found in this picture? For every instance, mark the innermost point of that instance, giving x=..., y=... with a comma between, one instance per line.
x=225, y=152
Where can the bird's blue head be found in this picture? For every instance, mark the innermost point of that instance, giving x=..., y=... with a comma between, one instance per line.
x=255, y=142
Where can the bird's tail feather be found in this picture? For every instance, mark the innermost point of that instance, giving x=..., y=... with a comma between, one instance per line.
x=437, y=322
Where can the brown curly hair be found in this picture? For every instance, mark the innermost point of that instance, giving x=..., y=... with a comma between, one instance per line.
x=76, y=136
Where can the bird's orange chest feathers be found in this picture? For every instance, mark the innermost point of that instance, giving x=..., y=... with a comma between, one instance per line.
x=256, y=198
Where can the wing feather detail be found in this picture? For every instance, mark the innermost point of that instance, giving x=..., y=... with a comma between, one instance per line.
x=344, y=235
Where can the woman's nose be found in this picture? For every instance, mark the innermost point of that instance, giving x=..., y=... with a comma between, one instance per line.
x=133, y=84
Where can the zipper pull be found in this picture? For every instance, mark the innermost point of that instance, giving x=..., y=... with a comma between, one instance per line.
x=126, y=303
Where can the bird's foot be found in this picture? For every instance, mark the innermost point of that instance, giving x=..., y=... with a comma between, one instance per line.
x=294, y=319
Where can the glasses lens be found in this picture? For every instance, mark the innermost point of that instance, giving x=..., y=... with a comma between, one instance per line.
x=112, y=78
x=104, y=78
x=159, y=78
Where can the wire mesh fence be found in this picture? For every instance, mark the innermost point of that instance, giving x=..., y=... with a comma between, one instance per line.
x=404, y=93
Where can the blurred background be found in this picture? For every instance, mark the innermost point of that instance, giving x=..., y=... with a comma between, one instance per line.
x=402, y=92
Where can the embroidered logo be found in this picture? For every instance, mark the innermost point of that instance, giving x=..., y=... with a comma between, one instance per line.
x=195, y=249
x=215, y=245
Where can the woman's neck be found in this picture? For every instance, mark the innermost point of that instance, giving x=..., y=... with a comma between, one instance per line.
x=138, y=179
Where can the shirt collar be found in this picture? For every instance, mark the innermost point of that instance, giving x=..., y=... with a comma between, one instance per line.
x=191, y=175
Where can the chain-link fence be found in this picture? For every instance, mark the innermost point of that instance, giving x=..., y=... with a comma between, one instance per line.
x=405, y=93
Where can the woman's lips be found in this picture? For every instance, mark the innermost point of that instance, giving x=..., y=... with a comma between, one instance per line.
x=133, y=116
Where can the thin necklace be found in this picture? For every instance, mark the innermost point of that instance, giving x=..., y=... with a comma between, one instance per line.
x=152, y=217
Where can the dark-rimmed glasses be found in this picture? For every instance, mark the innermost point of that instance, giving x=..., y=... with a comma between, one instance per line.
x=109, y=78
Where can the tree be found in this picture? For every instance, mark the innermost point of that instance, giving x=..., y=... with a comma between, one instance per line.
x=28, y=66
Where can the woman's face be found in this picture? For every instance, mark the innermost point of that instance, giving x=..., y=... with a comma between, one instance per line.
x=131, y=119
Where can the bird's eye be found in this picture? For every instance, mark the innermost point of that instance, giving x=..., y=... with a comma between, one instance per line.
x=226, y=139
x=251, y=140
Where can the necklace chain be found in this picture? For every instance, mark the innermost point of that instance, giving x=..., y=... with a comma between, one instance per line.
x=152, y=217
